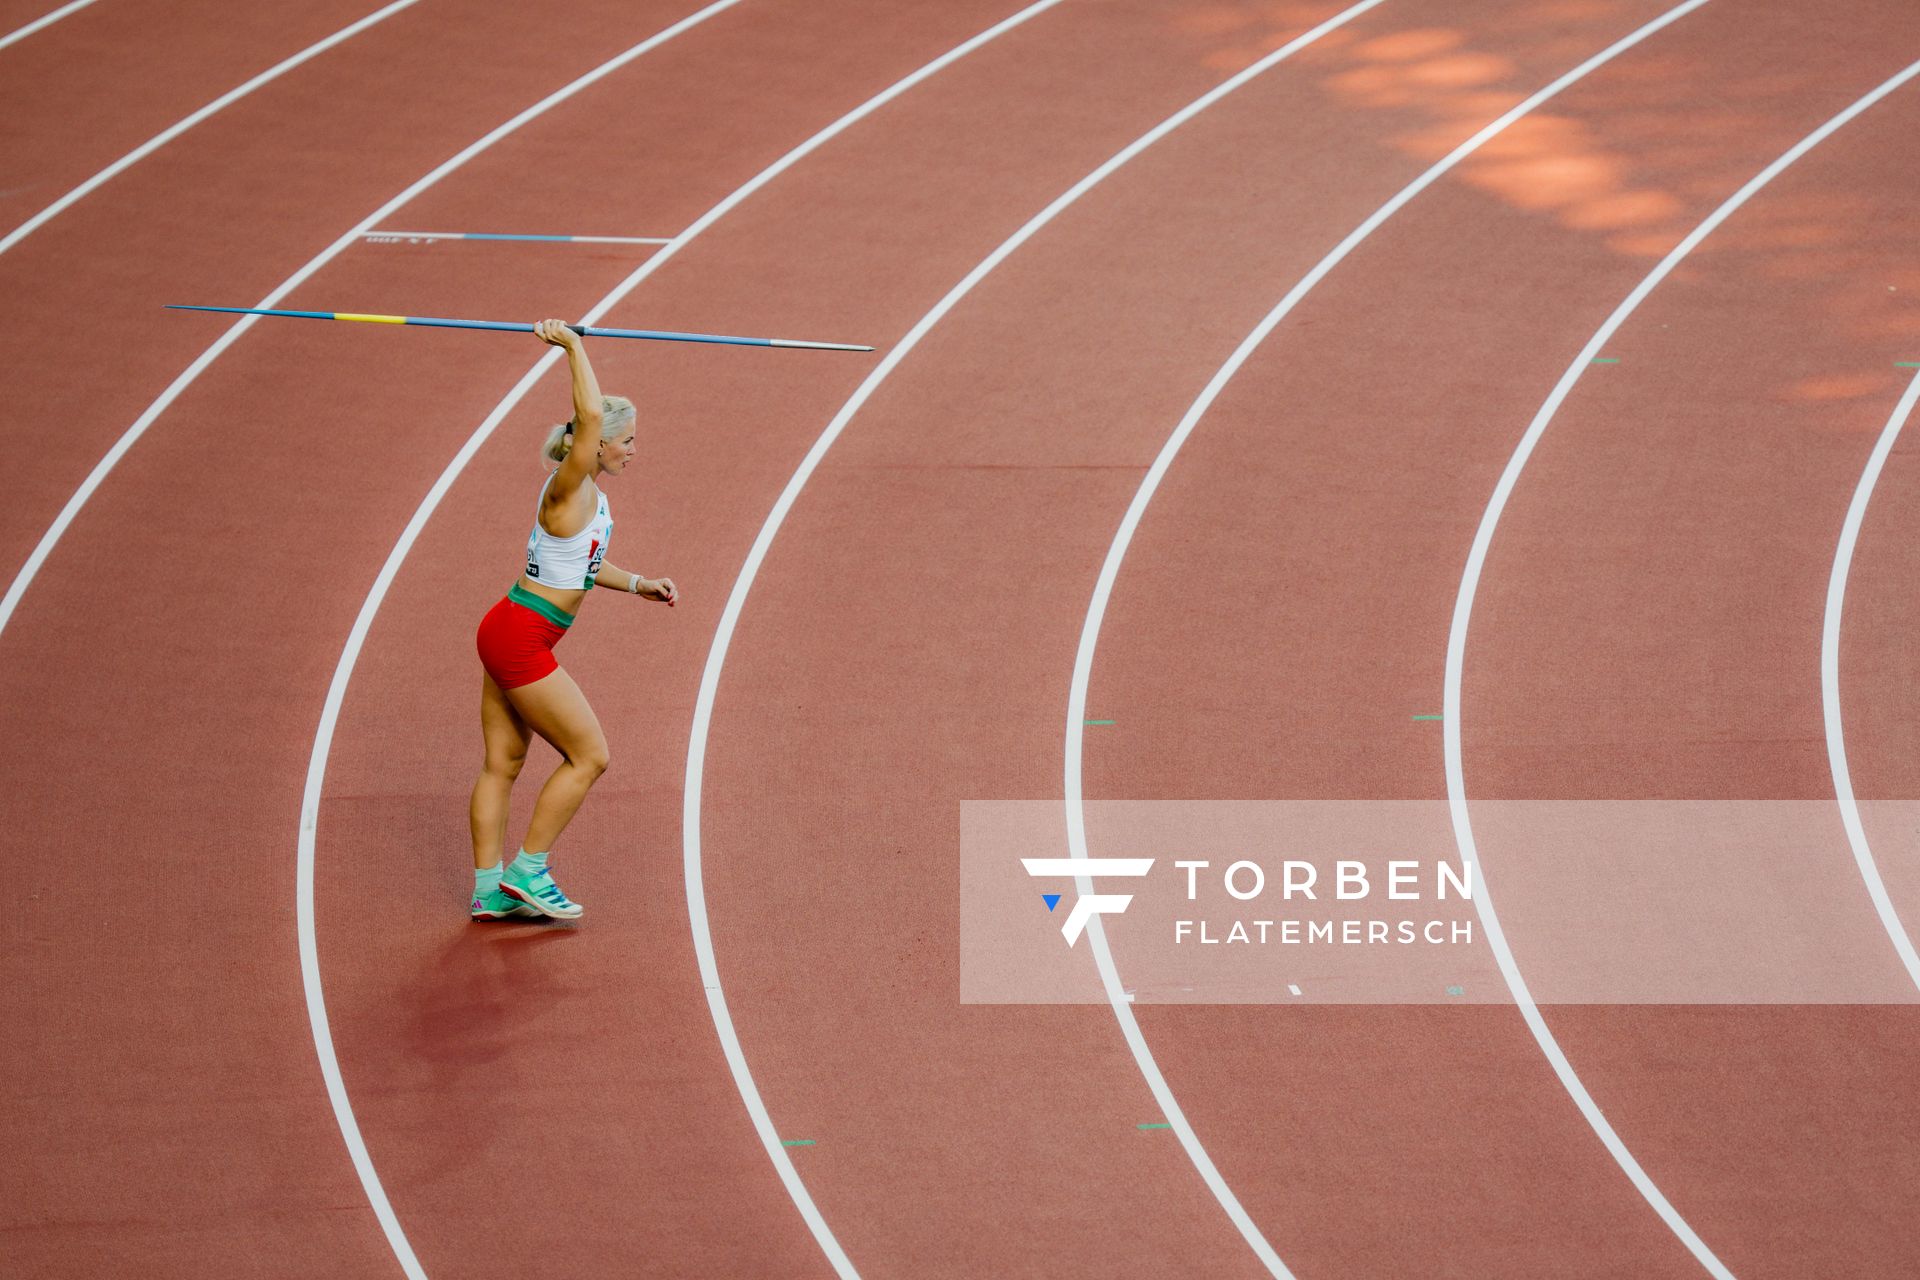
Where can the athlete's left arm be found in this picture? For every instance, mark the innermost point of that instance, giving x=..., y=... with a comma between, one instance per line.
x=618, y=579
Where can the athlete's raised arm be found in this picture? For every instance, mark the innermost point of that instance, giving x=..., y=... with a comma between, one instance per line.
x=579, y=463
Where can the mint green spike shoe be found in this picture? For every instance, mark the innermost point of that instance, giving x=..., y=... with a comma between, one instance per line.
x=539, y=892
x=495, y=905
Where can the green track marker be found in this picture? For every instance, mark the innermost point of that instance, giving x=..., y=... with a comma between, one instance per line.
x=1429, y=717
x=1606, y=360
x=796, y=1142
x=1456, y=991
x=1156, y=1126
x=1099, y=722
x=1906, y=364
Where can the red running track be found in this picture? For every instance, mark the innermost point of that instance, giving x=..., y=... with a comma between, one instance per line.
x=910, y=642
x=85, y=91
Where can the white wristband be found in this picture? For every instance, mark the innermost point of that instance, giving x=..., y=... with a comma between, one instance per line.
x=633, y=584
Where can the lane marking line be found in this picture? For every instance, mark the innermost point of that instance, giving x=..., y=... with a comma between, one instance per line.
x=220, y=103
x=736, y=601
x=1456, y=660
x=45, y=20
x=1096, y=611
x=494, y=235
x=363, y=623
x=1830, y=684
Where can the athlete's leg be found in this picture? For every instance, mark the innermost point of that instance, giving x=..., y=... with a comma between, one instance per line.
x=506, y=736
x=554, y=708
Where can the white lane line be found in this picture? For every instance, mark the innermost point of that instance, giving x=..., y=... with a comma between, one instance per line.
x=167, y=135
x=1116, y=552
x=491, y=235
x=45, y=20
x=736, y=600
x=1456, y=661
x=696, y=893
x=24, y=578
x=1830, y=684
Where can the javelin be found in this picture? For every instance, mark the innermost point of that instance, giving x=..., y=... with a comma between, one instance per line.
x=585, y=331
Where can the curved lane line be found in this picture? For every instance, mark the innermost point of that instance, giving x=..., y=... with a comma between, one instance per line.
x=1456, y=661
x=363, y=623
x=168, y=134
x=24, y=578
x=1830, y=685
x=44, y=20
x=1116, y=553
x=736, y=600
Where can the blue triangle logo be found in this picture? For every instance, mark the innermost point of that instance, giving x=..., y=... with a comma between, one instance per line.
x=1051, y=899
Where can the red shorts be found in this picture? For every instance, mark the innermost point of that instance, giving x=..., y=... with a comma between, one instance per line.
x=517, y=636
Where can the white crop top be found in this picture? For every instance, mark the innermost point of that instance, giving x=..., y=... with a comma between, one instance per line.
x=568, y=563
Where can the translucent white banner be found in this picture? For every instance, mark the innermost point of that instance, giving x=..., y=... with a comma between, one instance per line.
x=1367, y=902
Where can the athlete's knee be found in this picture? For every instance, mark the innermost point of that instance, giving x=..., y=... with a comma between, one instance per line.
x=505, y=765
x=594, y=759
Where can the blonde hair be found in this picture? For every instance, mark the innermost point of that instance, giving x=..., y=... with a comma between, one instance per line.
x=616, y=415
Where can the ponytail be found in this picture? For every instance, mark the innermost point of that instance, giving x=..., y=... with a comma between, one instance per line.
x=616, y=414
x=555, y=449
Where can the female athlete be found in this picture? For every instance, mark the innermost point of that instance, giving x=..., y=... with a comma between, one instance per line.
x=523, y=690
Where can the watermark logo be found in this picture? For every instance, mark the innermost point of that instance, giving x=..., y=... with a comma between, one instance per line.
x=1369, y=902
x=1088, y=905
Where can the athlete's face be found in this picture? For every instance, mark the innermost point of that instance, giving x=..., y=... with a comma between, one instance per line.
x=616, y=454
